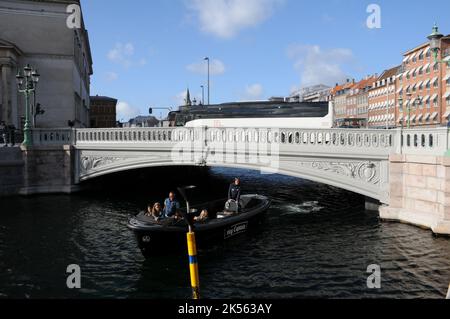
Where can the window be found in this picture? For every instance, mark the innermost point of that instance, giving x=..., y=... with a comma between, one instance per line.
x=428, y=104
x=421, y=56
x=435, y=102
x=428, y=69
x=448, y=101
x=414, y=74
x=420, y=71
x=436, y=67
x=428, y=86
x=436, y=84
x=428, y=55
x=448, y=81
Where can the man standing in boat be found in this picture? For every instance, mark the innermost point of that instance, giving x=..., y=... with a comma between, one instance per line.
x=234, y=192
x=171, y=206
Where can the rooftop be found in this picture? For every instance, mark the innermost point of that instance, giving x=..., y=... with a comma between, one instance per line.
x=102, y=98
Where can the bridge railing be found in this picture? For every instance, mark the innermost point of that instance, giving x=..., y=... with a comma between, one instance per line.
x=53, y=137
x=128, y=135
x=425, y=141
x=342, y=141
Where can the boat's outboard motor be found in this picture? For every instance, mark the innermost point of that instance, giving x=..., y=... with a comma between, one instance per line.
x=231, y=206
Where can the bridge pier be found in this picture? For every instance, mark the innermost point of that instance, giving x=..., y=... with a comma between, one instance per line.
x=11, y=170
x=419, y=192
x=48, y=169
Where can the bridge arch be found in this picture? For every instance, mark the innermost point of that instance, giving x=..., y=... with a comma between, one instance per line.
x=347, y=176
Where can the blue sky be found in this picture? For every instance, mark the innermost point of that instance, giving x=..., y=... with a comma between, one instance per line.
x=147, y=52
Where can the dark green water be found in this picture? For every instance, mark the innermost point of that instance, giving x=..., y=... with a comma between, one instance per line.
x=316, y=241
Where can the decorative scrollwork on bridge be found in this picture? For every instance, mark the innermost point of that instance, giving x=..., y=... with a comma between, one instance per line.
x=89, y=163
x=367, y=172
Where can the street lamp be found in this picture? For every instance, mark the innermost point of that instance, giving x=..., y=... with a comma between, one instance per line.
x=203, y=94
x=207, y=60
x=400, y=105
x=435, y=44
x=411, y=101
x=26, y=84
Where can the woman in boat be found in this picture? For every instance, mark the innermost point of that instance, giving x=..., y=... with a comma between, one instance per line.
x=157, y=211
x=154, y=211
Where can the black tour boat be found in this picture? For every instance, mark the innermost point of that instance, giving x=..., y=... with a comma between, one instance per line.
x=168, y=234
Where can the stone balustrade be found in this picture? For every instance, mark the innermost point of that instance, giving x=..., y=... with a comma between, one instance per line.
x=49, y=137
x=376, y=142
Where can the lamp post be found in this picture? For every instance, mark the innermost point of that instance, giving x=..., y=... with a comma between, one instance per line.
x=388, y=82
x=435, y=44
x=203, y=94
x=411, y=101
x=26, y=84
x=207, y=60
x=435, y=47
x=400, y=104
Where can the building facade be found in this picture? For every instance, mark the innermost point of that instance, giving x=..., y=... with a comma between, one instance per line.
x=382, y=100
x=316, y=93
x=339, y=96
x=36, y=32
x=142, y=121
x=358, y=102
x=103, y=112
x=424, y=87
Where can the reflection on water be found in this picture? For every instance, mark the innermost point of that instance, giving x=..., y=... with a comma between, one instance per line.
x=316, y=241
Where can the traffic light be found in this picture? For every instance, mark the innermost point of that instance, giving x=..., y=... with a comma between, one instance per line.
x=39, y=109
x=150, y=111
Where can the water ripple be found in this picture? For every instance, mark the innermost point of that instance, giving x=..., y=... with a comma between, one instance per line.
x=315, y=242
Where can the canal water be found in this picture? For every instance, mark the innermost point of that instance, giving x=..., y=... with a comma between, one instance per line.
x=316, y=241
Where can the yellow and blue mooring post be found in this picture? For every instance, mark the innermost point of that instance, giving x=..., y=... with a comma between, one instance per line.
x=193, y=264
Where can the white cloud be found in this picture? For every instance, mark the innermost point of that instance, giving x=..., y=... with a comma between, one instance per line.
x=253, y=92
x=216, y=67
x=125, y=111
x=111, y=76
x=318, y=66
x=225, y=18
x=124, y=54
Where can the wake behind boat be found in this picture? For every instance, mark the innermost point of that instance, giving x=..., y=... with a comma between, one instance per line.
x=155, y=236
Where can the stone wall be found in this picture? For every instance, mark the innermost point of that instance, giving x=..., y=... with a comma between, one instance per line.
x=48, y=169
x=11, y=170
x=419, y=192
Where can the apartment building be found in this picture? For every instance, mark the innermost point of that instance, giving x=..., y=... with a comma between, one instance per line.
x=382, y=100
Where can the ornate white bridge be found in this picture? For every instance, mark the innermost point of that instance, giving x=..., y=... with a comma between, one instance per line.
x=355, y=160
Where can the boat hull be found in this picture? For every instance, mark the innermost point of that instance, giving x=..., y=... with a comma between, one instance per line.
x=156, y=240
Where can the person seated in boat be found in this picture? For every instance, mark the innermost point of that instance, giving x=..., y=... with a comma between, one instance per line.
x=171, y=206
x=154, y=211
x=234, y=192
x=157, y=211
x=204, y=216
x=149, y=210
